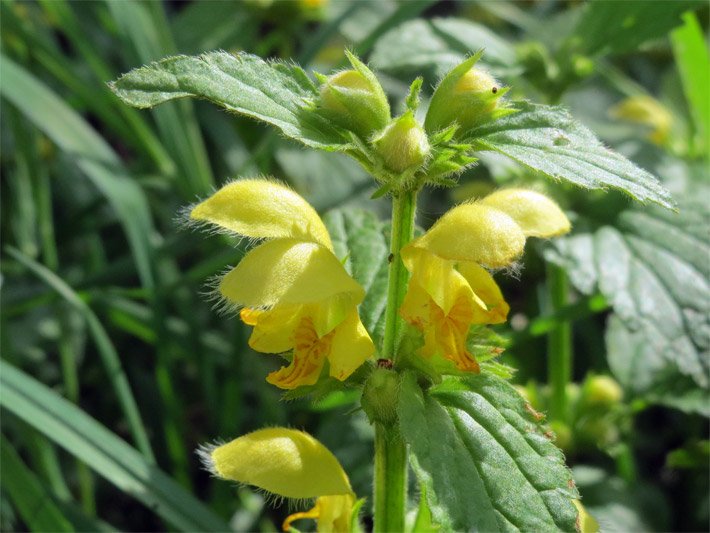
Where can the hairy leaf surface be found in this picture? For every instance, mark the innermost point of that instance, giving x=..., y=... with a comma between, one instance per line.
x=547, y=139
x=485, y=456
x=273, y=92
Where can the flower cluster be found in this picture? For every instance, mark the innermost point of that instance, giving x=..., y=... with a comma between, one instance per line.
x=450, y=289
x=291, y=288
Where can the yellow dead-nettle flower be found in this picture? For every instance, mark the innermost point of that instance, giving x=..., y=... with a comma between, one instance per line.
x=449, y=289
x=292, y=288
x=292, y=464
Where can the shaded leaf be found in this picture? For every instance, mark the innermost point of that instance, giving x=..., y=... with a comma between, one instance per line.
x=615, y=27
x=437, y=45
x=653, y=269
x=361, y=238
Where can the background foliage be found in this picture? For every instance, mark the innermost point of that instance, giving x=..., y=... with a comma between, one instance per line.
x=114, y=365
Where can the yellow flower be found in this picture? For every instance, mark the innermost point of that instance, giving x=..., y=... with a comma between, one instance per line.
x=648, y=111
x=292, y=464
x=292, y=288
x=449, y=289
x=586, y=523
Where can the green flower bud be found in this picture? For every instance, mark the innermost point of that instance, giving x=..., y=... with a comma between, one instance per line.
x=403, y=145
x=381, y=395
x=602, y=391
x=467, y=95
x=353, y=99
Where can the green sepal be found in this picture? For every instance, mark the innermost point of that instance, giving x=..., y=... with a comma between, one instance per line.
x=413, y=99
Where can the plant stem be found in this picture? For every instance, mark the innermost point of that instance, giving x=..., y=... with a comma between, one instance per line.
x=390, y=487
x=390, y=479
x=403, y=211
x=559, y=344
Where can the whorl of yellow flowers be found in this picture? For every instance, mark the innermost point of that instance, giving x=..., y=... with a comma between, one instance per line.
x=291, y=288
x=450, y=289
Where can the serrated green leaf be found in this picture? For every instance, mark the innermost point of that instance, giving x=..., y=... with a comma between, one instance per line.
x=363, y=239
x=486, y=458
x=273, y=92
x=82, y=436
x=434, y=46
x=547, y=139
x=616, y=27
x=653, y=269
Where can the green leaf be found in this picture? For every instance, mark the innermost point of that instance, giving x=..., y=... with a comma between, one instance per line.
x=273, y=92
x=363, y=240
x=653, y=269
x=485, y=456
x=691, y=55
x=547, y=139
x=28, y=494
x=82, y=436
x=435, y=46
x=609, y=27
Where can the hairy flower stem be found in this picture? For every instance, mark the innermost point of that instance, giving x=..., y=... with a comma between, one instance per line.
x=390, y=479
x=559, y=344
x=404, y=206
x=390, y=487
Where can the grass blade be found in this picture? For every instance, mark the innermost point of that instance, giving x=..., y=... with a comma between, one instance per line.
x=28, y=494
x=109, y=357
x=84, y=437
x=94, y=156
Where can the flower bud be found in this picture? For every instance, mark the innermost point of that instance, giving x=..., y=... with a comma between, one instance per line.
x=467, y=95
x=380, y=396
x=354, y=99
x=403, y=145
x=602, y=391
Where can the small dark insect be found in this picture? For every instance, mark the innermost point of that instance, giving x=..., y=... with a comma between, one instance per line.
x=384, y=363
x=390, y=258
x=494, y=90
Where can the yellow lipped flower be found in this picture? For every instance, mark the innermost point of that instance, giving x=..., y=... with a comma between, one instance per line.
x=449, y=289
x=292, y=464
x=291, y=288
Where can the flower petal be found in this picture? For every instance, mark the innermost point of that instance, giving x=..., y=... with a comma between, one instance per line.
x=351, y=347
x=309, y=353
x=474, y=232
x=273, y=329
x=436, y=276
x=535, y=213
x=261, y=208
x=282, y=461
x=332, y=512
x=291, y=272
x=487, y=290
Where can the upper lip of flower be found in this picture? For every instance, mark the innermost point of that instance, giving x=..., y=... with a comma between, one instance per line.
x=288, y=463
